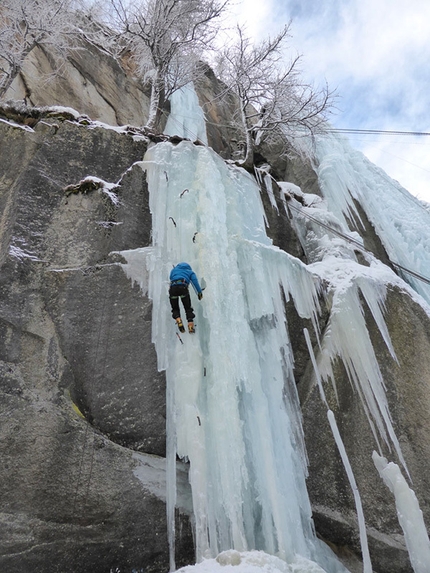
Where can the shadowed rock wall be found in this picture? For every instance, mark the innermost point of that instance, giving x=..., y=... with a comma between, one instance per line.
x=80, y=390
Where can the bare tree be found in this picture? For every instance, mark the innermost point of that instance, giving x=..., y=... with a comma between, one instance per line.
x=167, y=37
x=25, y=24
x=271, y=95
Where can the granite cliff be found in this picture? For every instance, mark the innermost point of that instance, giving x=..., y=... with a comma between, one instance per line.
x=83, y=406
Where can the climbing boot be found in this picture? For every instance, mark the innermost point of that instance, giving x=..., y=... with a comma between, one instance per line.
x=180, y=325
x=191, y=328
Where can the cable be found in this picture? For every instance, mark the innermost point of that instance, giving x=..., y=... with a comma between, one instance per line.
x=413, y=273
x=349, y=239
x=376, y=131
x=351, y=130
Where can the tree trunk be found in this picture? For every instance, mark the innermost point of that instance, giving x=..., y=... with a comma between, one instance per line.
x=248, y=161
x=156, y=101
x=7, y=80
x=14, y=70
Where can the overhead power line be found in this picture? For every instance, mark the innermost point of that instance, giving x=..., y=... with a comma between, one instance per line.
x=351, y=130
x=376, y=131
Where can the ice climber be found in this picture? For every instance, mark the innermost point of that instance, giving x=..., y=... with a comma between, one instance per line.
x=180, y=278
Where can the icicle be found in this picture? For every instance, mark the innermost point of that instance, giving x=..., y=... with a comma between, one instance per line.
x=409, y=513
x=269, y=187
x=136, y=268
x=367, y=565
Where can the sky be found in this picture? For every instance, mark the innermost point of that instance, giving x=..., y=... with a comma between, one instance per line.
x=376, y=54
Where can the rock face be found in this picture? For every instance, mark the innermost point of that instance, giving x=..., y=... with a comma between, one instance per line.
x=82, y=434
x=90, y=81
x=79, y=382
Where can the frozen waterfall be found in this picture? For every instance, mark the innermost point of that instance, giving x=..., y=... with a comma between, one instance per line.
x=233, y=409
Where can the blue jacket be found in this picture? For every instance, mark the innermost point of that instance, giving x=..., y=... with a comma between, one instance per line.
x=184, y=271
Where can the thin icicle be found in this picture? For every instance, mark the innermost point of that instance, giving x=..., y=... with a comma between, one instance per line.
x=315, y=366
x=367, y=565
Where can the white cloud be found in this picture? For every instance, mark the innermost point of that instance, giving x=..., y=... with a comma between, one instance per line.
x=406, y=159
x=255, y=14
x=376, y=52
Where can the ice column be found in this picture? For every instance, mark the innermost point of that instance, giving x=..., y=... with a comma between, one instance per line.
x=409, y=513
x=186, y=117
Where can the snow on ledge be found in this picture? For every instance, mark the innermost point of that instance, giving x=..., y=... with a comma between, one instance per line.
x=16, y=125
x=252, y=562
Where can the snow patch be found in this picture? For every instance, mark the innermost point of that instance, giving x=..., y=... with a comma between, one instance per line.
x=252, y=562
x=58, y=109
x=290, y=189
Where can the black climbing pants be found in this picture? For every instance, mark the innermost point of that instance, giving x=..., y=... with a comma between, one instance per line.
x=180, y=291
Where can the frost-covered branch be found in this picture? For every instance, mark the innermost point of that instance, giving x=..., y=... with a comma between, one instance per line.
x=27, y=24
x=271, y=95
x=166, y=38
